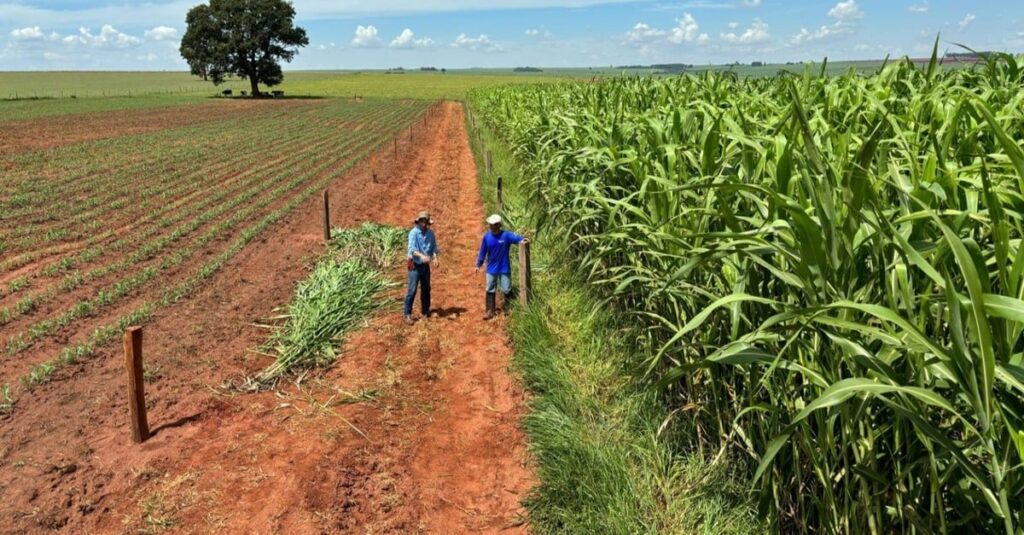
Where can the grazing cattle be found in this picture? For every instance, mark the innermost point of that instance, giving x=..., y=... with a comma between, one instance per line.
x=278, y=94
x=244, y=93
x=227, y=92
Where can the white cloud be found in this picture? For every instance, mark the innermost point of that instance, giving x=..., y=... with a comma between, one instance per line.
x=846, y=11
x=967, y=21
x=686, y=31
x=538, y=32
x=32, y=33
x=756, y=33
x=162, y=33
x=824, y=32
x=751, y=3
x=366, y=36
x=476, y=44
x=846, y=14
x=919, y=8
x=641, y=32
x=407, y=39
x=108, y=37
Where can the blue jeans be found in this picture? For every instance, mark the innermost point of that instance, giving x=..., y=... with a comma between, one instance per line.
x=501, y=281
x=419, y=276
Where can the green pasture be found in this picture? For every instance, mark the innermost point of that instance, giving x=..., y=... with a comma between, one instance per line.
x=409, y=84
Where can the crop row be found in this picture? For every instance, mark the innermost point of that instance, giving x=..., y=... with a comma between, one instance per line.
x=70, y=168
x=191, y=214
x=121, y=199
x=122, y=207
x=143, y=312
x=57, y=202
x=102, y=196
x=188, y=187
x=112, y=294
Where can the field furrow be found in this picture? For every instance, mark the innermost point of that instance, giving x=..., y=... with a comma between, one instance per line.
x=149, y=257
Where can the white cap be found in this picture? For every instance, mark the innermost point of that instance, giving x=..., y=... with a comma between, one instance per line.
x=494, y=220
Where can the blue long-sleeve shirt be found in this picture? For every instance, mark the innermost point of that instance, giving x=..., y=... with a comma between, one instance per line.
x=495, y=250
x=422, y=242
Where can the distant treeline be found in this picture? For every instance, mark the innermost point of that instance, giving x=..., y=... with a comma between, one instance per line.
x=527, y=69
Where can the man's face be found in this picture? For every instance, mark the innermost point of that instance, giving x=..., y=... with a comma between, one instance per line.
x=423, y=224
x=496, y=229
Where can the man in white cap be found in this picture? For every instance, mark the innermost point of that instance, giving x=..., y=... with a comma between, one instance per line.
x=422, y=251
x=494, y=249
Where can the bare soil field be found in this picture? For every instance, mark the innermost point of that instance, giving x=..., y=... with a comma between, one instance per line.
x=49, y=132
x=413, y=430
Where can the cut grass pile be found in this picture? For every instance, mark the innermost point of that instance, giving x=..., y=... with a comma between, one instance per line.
x=345, y=286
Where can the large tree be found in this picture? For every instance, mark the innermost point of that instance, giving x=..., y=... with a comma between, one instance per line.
x=247, y=38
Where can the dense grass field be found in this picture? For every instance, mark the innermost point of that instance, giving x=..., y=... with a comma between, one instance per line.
x=822, y=277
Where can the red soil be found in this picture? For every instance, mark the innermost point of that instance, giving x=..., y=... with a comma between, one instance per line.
x=48, y=132
x=413, y=430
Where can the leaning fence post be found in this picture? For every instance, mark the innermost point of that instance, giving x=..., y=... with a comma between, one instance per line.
x=489, y=161
x=525, y=277
x=136, y=386
x=501, y=203
x=327, y=217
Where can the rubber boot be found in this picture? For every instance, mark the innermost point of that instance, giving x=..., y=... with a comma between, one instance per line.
x=505, y=306
x=490, y=304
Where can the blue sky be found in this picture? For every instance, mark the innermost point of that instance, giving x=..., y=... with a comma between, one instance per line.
x=121, y=34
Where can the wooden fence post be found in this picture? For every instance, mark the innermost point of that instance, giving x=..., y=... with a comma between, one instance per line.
x=525, y=276
x=136, y=385
x=488, y=160
x=501, y=203
x=327, y=218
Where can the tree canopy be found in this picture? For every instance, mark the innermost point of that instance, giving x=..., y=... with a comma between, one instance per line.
x=246, y=38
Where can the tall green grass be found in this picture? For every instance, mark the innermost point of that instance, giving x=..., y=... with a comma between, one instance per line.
x=342, y=290
x=605, y=462
x=825, y=274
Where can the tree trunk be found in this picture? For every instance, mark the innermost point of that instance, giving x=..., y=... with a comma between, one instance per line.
x=255, y=86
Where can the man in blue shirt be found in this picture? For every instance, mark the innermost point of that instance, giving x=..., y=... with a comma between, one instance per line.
x=422, y=251
x=494, y=248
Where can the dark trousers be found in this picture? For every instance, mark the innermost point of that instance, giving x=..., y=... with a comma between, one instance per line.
x=419, y=276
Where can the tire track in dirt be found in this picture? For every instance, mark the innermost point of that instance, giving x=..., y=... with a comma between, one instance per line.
x=438, y=447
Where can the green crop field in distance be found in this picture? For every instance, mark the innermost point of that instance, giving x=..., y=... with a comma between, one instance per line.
x=58, y=84
x=410, y=84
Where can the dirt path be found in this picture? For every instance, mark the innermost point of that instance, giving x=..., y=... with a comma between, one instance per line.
x=414, y=430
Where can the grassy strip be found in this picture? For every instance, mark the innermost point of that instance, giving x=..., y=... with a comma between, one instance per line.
x=609, y=457
x=604, y=462
x=344, y=287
